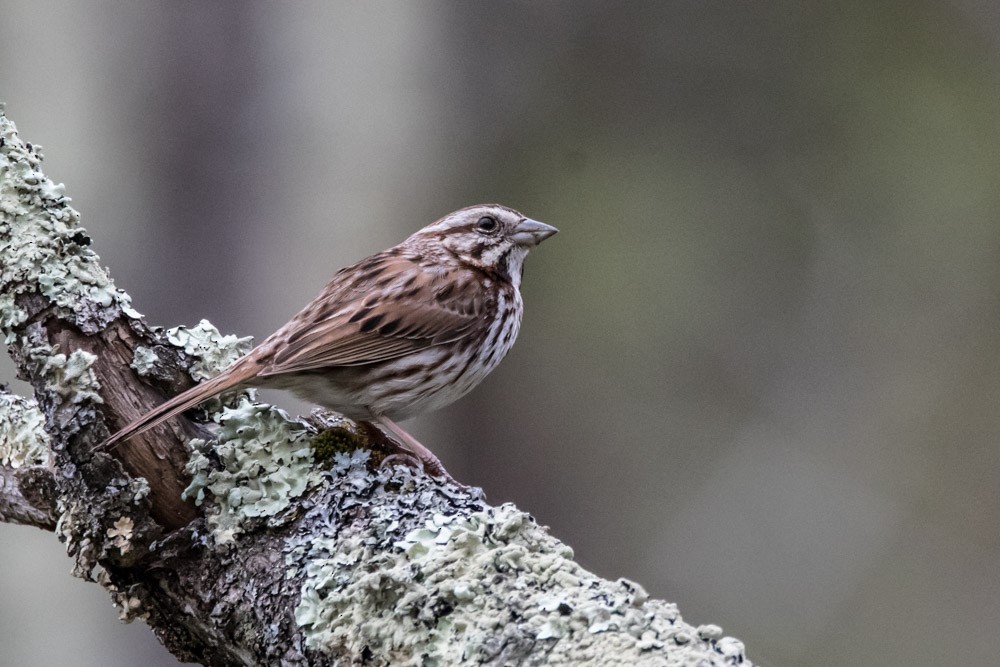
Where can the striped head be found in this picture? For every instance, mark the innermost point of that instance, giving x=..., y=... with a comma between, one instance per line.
x=489, y=237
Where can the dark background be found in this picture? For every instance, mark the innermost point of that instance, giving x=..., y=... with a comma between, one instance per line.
x=758, y=371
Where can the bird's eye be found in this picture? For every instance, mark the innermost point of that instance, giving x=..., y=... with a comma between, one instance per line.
x=487, y=225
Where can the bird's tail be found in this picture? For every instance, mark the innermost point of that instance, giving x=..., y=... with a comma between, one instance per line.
x=233, y=377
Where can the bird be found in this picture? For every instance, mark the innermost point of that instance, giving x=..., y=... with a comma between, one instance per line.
x=400, y=333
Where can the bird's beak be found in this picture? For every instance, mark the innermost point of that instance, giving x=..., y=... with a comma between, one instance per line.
x=530, y=232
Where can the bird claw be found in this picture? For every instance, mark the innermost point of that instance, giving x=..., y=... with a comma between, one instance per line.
x=406, y=448
x=406, y=458
x=431, y=468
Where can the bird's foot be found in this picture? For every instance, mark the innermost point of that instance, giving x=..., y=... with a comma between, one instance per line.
x=412, y=450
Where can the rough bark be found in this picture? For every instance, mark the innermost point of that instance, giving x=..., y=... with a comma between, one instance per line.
x=27, y=496
x=273, y=541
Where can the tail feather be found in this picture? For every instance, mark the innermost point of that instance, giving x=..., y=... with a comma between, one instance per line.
x=233, y=377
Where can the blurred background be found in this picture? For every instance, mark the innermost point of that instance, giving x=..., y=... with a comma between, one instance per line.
x=758, y=371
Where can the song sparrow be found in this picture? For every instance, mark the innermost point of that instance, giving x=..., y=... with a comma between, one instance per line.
x=403, y=332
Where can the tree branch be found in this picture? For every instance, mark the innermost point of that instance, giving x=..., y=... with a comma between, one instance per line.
x=275, y=541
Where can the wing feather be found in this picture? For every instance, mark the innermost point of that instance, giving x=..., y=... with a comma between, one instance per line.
x=369, y=318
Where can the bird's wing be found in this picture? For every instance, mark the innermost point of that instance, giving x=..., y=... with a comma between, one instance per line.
x=382, y=308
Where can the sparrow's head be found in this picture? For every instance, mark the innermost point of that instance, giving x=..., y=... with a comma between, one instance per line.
x=489, y=237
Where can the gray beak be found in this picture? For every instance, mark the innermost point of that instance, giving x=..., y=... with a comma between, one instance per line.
x=530, y=232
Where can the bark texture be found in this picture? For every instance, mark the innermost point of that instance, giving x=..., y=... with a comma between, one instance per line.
x=273, y=540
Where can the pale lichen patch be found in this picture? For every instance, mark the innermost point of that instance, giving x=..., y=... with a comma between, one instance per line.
x=73, y=376
x=144, y=360
x=260, y=461
x=120, y=533
x=43, y=246
x=70, y=376
x=23, y=440
x=484, y=588
x=214, y=352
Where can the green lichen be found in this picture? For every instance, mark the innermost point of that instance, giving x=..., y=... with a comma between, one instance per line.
x=213, y=351
x=143, y=360
x=23, y=440
x=44, y=248
x=259, y=463
x=472, y=589
x=73, y=376
x=70, y=376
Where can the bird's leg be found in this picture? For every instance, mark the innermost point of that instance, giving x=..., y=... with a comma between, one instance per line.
x=431, y=463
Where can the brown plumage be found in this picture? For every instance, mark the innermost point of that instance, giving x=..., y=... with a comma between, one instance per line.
x=402, y=332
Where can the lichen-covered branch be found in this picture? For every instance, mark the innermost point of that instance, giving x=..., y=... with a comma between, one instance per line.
x=252, y=538
x=27, y=488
